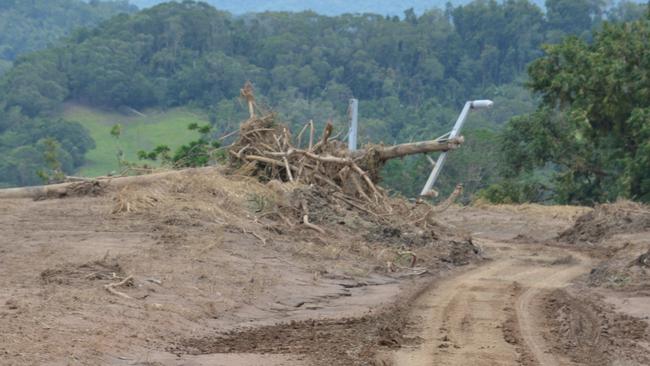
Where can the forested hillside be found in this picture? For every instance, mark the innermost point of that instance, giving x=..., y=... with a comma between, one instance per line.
x=338, y=7
x=330, y=7
x=32, y=25
x=412, y=74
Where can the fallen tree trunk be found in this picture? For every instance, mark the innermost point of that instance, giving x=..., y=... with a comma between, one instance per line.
x=413, y=148
x=67, y=189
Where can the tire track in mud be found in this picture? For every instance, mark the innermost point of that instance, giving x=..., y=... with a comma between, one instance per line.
x=461, y=320
x=529, y=315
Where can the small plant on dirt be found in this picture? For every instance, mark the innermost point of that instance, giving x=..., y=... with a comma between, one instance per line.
x=54, y=172
x=194, y=154
x=618, y=280
x=260, y=203
x=116, y=133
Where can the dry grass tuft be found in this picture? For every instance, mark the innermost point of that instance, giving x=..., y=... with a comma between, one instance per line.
x=131, y=199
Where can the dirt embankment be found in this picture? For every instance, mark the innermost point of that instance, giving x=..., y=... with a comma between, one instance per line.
x=619, y=234
x=602, y=319
x=607, y=220
x=190, y=261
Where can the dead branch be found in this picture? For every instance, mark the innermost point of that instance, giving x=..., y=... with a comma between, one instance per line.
x=228, y=135
x=452, y=197
x=326, y=135
x=305, y=219
x=111, y=288
x=288, y=168
x=264, y=160
x=261, y=238
x=247, y=93
x=299, y=138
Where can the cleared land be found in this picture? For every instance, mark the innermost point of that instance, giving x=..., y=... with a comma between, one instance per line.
x=195, y=273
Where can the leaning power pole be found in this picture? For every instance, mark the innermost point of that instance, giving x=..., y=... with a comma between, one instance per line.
x=437, y=168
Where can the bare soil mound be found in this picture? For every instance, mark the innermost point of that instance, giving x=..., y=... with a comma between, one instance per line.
x=607, y=220
x=591, y=333
x=626, y=270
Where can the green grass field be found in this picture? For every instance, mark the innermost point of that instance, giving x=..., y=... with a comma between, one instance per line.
x=138, y=133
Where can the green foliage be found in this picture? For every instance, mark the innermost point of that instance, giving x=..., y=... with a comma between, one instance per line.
x=510, y=191
x=194, y=154
x=164, y=56
x=594, y=120
x=51, y=154
x=35, y=144
x=32, y=25
x=116, y=131
x=30, y=146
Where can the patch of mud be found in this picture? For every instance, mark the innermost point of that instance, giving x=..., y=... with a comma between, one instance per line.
x=396, y=237
x=461, y=252
x=69, y=274
x=591, y=333
x=349, y=341
x=607, y=220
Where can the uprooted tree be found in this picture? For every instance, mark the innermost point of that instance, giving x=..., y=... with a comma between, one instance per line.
x=327, y=169
x=267, y=149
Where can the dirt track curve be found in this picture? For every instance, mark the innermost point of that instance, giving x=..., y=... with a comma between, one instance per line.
x=489, y=315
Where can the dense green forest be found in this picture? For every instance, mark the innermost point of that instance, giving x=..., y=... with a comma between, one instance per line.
x=592, y=127
x=338, y=7
x=329, y=7
x=411, y=73
x=33, y=25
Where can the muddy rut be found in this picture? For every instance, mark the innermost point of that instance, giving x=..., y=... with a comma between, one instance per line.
x=490, y=315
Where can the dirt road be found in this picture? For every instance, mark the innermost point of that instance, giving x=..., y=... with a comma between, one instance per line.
x=468, y=319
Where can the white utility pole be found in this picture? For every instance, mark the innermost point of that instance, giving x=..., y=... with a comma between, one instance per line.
x=477, y=104
x=354, y=124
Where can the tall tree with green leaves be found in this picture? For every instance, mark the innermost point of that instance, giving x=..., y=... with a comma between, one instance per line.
x=593, y=124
